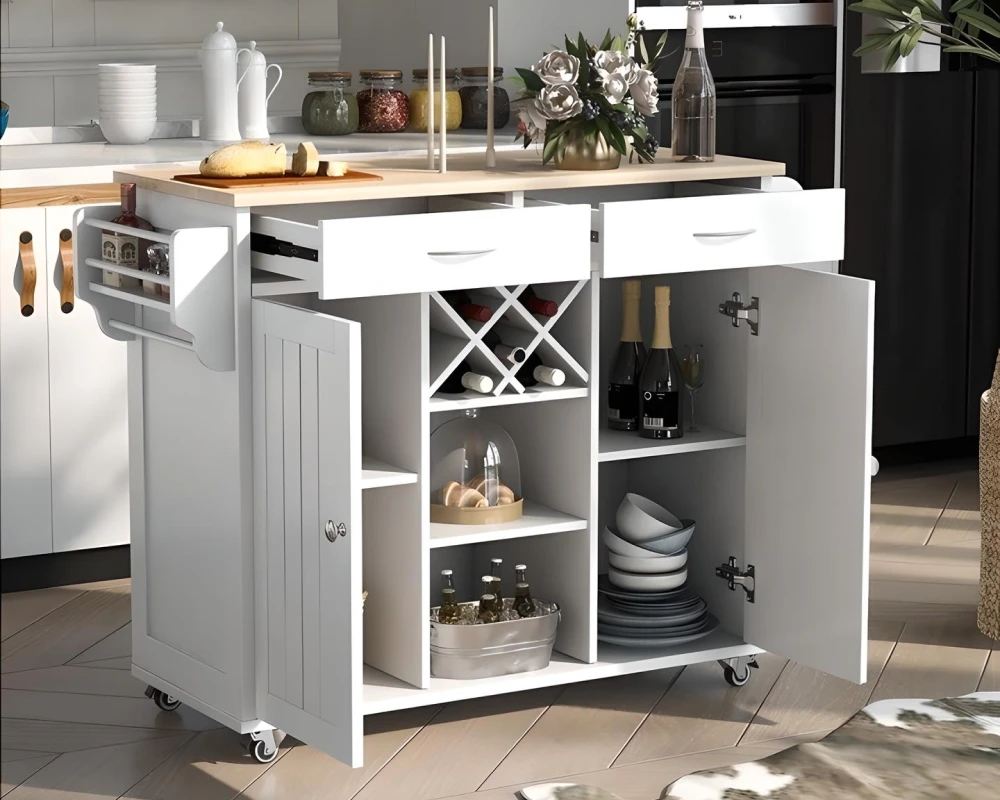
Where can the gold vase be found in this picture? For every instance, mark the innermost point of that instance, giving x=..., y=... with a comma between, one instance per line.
x=584, y=153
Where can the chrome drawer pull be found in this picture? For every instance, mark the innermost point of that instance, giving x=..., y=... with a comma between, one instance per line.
x=724, y=234
x=334, y=530
x=457, y=253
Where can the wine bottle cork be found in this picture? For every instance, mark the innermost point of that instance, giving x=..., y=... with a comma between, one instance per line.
x=661, y=323
x=550, y=375
x=662, y=296
x=477, y=383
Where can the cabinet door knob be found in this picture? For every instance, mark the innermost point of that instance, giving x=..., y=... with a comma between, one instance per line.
x=27, y=251
x=333, y=530
x=67, y=291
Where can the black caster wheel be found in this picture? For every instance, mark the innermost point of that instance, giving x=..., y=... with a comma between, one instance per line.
x=164, y=701
x=259, y=752
x=734, y=678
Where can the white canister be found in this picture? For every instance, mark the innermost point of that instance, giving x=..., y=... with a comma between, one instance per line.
x=253, y=94
x=220, y=122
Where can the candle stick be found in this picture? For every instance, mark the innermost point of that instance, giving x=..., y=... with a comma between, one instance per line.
x=430, y=101
x=444, y=114
x=491, y=156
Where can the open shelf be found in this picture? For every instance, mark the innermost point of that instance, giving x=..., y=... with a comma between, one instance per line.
x=535, y=394
x=375, y=474
x=537, y=520
x=628, y=445
x=384, y=693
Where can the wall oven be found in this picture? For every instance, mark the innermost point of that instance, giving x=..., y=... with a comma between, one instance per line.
x=672, y=14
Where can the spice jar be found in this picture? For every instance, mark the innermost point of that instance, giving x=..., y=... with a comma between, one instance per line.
x=330, y=109
x=382, y=105
x=474, y=97
x=418, y=101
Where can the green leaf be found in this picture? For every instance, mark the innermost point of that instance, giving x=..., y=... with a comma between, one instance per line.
x=878, y=8
x=642, y=49
x=958, y=5
x=569, y=47
x=933, y=11
x=969, y=48
x=876, y=40
x=660, y=44
x=551, y=145
x=612, y=134
x=517, y=82
x=606, y=41
x=891, y=53
x=618, y=44
x=981, y=21
x=641, y=132
x=910, y=39
x=532, y=80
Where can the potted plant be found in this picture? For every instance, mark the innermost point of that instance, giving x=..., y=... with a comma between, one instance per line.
x=588, y=105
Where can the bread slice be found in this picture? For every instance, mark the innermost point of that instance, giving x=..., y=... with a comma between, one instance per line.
x=305, y=162
x=333, y=169
x=246, y=160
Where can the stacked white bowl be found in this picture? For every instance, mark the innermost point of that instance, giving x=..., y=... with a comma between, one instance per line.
x=126, y=102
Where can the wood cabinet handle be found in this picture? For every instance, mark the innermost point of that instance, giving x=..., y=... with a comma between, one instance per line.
x=67, y=292
x=30, y=275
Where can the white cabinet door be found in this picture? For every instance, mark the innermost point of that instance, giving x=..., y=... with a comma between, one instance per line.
x=809, y=407
x=307, y=486
x=88, y=411
x=25, y=468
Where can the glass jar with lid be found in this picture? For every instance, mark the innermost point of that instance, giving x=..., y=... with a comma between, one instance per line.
x=474, y=98
x=419, y=95
x=330, y=109
x=382, y=104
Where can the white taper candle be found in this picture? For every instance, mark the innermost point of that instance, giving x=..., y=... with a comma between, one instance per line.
x=430, y=101
x=444, y=114
x=491, y=156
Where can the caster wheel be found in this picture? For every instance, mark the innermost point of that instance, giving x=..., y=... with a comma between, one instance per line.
x=734, y=678
x=163, y=700
x=259, y=752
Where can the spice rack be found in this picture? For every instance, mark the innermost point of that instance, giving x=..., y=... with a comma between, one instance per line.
x=560, y=341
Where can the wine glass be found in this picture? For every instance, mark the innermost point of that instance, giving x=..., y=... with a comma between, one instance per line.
x=693, y=368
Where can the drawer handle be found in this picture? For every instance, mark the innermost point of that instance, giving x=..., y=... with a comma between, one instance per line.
x=67, y=290
x=459, y=253
x=29, y=274
x=335, y=530
x=724, y=234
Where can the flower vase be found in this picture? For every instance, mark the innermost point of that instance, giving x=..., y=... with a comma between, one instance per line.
x=586, y=153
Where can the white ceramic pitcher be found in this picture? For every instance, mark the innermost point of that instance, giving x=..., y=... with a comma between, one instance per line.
x=220, y=122
x=252, y=89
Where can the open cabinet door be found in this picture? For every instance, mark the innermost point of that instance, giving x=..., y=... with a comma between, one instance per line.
x=809, y=415
x=307, y=546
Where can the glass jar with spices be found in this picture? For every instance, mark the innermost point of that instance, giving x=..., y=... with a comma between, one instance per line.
x=382, y=105
x=474, y=98
x=418, y=101
x=331, y=108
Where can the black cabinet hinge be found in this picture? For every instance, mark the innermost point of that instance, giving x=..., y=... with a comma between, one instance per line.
x=734, y=576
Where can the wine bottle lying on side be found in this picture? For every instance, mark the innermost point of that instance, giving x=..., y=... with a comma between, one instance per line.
x=533, y=372
x=462, y=378
x=466, y=308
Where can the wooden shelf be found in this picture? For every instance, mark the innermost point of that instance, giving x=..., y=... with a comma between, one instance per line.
x=536, y=394
x=383, y=693
x=627, y=445
x=537, y=520
x=375, y=474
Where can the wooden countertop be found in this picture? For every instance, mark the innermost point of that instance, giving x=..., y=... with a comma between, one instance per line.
x=84, y=194
x=409, y=177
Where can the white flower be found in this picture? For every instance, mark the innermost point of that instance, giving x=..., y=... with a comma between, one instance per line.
x=558, y=68
x=644, y=93
x=615, y=87
x=559, y=102
x=530, y=113
x=611, y=61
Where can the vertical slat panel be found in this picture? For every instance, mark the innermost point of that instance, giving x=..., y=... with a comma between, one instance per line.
x=275, y=517
x=312, y=533
x=293, y=524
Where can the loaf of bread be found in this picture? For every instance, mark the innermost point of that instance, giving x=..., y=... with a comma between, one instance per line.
x=456, y=495
x=505, y=495
x=305, y=162
x=332, y=169
x=246, y=160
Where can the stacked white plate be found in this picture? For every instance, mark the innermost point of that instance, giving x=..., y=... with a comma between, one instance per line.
x=126, y=102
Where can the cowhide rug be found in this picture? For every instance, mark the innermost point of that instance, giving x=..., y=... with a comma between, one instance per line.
x=891, y=750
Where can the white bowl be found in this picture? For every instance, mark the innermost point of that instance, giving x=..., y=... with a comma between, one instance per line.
x=639, y=519
x=126, y=68
x=658, y=565
x=127, y=131
x=125, y=94
x=127, y=86
x=647, y=583
x=127, y=115
x=149, y=107
x=126, y=80
x=616, y=544
x=673, y=542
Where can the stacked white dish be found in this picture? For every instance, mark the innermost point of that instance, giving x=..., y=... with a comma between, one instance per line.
x=126, y=102
x=644, y=600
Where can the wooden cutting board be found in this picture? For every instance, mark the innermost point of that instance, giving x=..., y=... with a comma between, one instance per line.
x=288, y=179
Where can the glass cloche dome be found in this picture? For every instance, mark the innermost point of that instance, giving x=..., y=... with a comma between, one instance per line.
x=475, y=475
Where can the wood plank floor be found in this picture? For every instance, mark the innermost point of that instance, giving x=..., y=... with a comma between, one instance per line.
x=75, y=723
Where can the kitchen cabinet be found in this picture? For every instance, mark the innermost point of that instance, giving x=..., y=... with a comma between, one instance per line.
x=64, y=482
x=280, y=454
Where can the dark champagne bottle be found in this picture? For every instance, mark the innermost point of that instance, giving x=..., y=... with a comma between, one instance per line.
x=462, y=378
x=538, y=305
x=462, y=303
x=533, y=371
x=662, y=380
x=524, y=604
x=449, y=613
x=623, y=380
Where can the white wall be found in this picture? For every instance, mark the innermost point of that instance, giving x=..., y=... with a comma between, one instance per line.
x=51, y=48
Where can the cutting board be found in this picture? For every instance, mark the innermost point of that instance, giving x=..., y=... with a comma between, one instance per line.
x=288, y=179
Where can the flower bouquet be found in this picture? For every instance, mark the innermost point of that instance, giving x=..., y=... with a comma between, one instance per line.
x=587, y=97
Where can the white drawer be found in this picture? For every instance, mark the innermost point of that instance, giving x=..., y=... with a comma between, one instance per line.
x=749, y=229
x=425, y=252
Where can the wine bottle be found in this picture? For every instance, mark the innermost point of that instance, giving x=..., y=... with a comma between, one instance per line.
x=538, y=305
x=122, y=248
x=662, y=380
x=533, y=371
x=449, y=613
x=488, y=602
x=509, y=354
x=466, y=309
x=693, y=97
x=496, y=565
x=623, y=380
x=462, y=378
x=524, y=604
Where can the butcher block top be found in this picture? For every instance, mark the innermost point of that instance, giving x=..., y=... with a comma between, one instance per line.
x=516, y=171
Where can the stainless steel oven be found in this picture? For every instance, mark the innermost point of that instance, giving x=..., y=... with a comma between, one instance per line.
x=672, y=14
